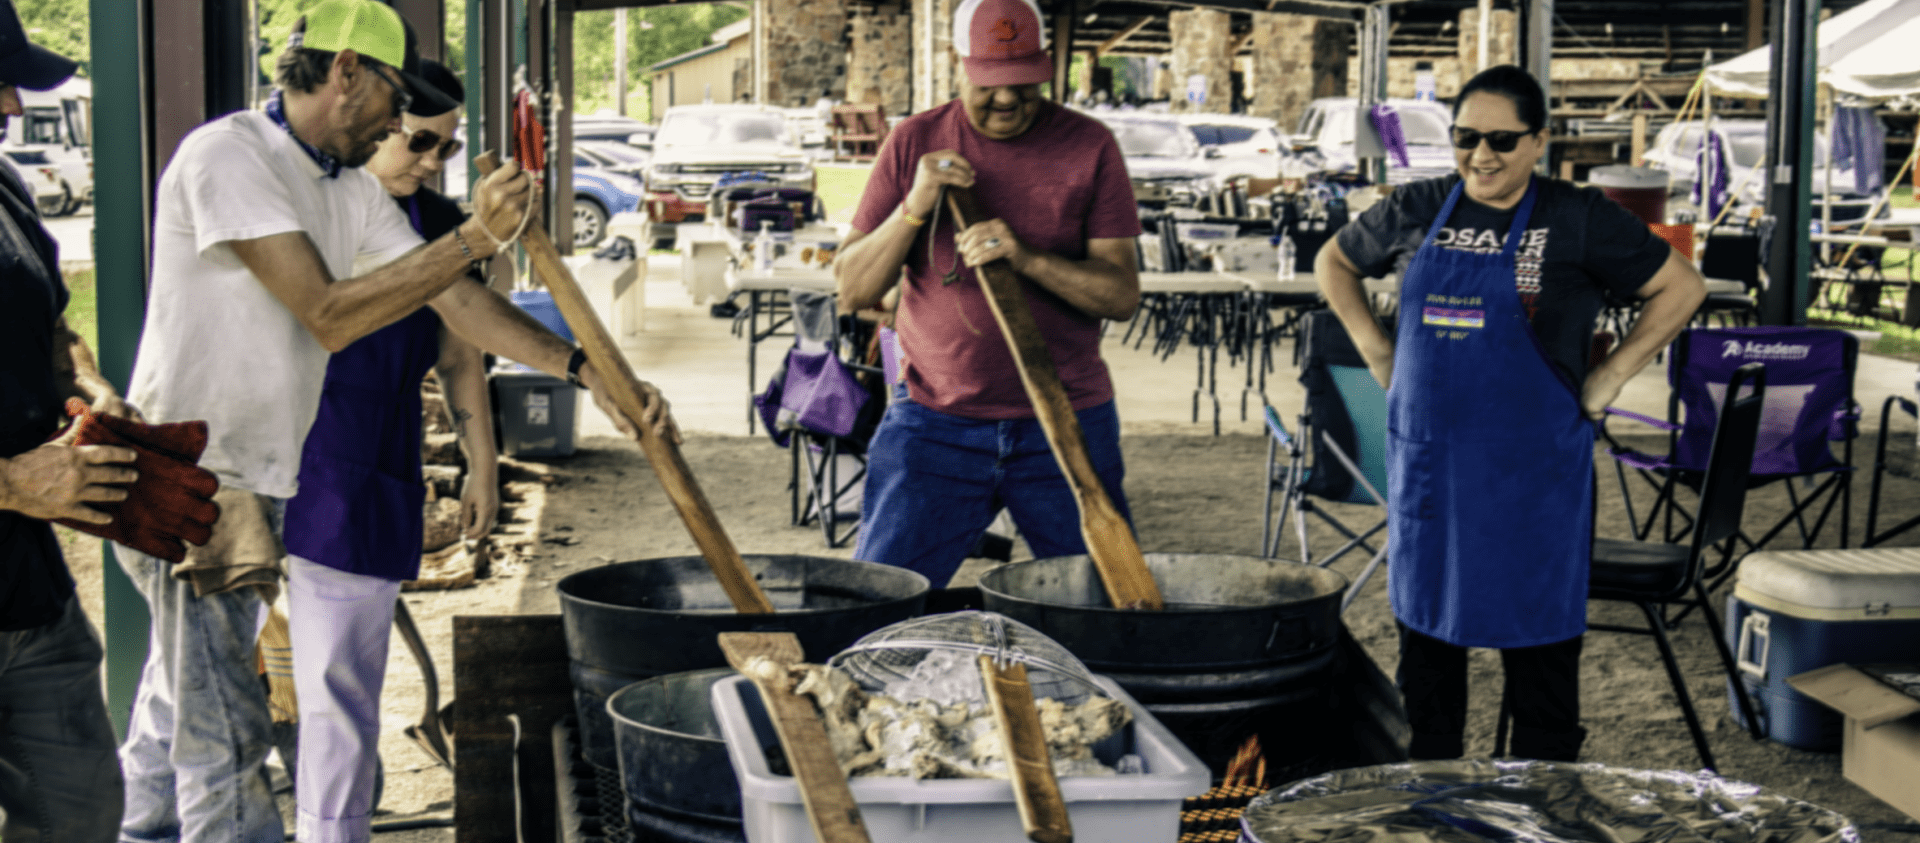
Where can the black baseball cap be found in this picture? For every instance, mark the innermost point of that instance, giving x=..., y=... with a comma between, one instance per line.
x=25, y=63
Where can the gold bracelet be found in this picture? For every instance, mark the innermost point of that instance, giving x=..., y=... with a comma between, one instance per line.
x=912, y=220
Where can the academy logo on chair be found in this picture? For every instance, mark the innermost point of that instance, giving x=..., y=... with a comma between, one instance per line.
x=1446, y=317
x=1765, y=350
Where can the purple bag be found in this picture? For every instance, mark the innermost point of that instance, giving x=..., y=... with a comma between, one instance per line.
x=813, y=390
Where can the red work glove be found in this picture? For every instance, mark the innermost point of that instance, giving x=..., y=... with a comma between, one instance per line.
x=171, y=502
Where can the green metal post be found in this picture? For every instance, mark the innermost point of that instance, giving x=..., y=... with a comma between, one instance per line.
x=120, y=260
x=476, y=89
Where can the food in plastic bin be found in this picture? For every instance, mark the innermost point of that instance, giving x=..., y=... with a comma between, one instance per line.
x=1534, y=801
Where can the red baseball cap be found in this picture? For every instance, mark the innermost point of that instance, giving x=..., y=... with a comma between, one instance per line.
x=1002, y=42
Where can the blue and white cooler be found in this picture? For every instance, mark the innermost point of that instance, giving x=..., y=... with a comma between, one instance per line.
x=1793, y=611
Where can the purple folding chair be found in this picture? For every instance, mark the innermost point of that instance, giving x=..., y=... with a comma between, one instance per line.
x=1809, y=408
x=818, y=407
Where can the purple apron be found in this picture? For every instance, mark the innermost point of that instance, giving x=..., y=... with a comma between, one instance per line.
x=358, y=508
x=1489, y=458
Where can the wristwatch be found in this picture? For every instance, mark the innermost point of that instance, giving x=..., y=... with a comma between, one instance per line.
x=574, y=363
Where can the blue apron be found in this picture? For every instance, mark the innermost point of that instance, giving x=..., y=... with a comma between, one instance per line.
x=1489, y=458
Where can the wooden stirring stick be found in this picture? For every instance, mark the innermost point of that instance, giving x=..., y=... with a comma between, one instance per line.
x=1043, y=811
x=764, y=658
x=661, y=452
x=1109, y=540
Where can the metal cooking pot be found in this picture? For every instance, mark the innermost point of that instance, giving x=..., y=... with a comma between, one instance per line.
x=672, y=757
x=629, y=621
x=1224, y=613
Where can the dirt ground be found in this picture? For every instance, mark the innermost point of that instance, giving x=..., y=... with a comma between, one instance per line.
x=1189, y=493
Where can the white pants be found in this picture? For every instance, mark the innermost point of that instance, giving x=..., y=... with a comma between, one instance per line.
x=340, y=625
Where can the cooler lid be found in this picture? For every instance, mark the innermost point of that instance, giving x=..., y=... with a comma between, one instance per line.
x=1878, y=583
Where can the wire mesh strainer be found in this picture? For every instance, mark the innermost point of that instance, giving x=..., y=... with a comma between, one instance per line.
x=937, y=657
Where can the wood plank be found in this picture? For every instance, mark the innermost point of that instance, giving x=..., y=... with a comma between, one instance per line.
x=1110, y=540
x=803, y=737
x=662, y=454
x=506, y=664
x=1036, y=793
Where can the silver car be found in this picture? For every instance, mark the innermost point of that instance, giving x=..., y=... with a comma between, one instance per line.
x=699, y=144
x=1163, y=160
x=1676, y=150
x=1323, y=143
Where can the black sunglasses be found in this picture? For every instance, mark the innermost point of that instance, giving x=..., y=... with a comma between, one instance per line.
x=1497, y=141
x=405, y=101
x=421, y=140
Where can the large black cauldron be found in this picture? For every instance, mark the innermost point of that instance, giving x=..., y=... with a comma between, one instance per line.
x=1246, y=644
x=630, y=621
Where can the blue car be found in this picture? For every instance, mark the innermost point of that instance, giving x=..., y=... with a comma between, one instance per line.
x=599, y=192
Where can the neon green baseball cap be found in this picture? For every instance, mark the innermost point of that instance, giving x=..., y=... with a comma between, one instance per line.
x=372, y=29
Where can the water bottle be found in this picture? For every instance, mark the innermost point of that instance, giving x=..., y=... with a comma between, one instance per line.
x=1286, y=257
x=763, y=248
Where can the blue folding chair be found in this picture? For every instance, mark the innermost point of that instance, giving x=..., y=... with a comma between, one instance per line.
x=1338, y=453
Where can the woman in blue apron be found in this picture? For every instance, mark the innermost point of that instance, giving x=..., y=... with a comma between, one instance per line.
x=1490, y=398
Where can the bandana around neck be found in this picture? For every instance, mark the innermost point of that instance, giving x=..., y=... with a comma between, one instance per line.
x=277, y=112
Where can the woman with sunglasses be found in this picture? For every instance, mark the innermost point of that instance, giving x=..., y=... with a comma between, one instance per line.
x=353, y=531
x=1491, y=399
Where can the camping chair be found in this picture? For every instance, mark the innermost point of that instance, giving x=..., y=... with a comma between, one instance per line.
x=818, y=408
x=1652, y=575
x=1732, y=253
x=1880, y=469
x=1810, y=406
x=1338, y=453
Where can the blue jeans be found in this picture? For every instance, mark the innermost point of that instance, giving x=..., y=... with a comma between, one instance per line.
x=59, y=779
x=196, y=748
x=935, y=482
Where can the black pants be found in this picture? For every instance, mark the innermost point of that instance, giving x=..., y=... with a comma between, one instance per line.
x=1542, y=693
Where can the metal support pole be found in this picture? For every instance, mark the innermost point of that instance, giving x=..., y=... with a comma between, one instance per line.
x=122, y=207
x=1790, y=160
x=1374, y=28
x=1536, y=55
x=620, y=61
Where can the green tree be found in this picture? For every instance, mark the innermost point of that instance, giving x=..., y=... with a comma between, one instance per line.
x=653, y=35
x=60, y=26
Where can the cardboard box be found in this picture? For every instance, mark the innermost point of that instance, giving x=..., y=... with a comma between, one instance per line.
x=1880, y=749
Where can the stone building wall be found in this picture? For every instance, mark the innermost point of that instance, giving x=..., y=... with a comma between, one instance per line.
x=1200, y=41
x=1504, y=46
x=879, y=63
x=1296, y=58
x=806, y=51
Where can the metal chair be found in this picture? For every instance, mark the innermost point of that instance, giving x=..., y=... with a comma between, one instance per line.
x=1654, y=575
x=1879, y=472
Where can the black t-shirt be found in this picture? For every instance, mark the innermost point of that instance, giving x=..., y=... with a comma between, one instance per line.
x=34, y=583
x=1579, y=247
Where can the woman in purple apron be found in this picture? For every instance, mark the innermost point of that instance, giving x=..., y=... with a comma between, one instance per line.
x=1489, y=406
x=353, y=531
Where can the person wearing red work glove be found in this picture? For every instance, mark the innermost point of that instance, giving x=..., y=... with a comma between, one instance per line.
x=171, y=502
x=55, y=719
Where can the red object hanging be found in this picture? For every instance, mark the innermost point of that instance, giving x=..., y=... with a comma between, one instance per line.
x=529, y=137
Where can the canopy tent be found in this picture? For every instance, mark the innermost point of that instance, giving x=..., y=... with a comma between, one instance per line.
x=1867, y=51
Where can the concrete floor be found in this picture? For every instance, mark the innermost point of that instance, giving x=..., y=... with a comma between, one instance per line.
x=702, y=368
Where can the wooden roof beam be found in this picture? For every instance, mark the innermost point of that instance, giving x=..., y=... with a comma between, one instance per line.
x=1131, y=30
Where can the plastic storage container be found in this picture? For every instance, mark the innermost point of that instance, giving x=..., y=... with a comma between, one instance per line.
x=1110, y=809
x=534, y=414
x=1793, y=611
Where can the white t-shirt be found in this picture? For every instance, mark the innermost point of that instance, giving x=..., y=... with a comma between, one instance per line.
x=218, y=346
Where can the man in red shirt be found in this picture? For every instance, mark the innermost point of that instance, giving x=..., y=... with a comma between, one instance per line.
x=960, y=440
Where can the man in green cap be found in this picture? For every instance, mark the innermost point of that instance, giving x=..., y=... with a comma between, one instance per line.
x=260, y=221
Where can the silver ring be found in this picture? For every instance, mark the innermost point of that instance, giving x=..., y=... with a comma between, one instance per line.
x=945, y=164
x=993, y=242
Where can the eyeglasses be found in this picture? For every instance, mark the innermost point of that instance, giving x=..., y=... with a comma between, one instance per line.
x=421, y=140
x=405, y=100
x=1496, y=141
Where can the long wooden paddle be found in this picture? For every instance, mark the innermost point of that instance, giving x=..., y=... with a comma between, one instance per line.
x=1036, y=792
x=1109, y=540
x=661, y=452
x=764, y=657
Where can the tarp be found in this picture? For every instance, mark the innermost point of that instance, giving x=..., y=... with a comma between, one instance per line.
x=1868, y=51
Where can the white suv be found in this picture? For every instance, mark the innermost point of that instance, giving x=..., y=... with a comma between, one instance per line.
x=698, y=144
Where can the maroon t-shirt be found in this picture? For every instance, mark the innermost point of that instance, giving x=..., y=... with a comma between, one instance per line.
x=1057, y=186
